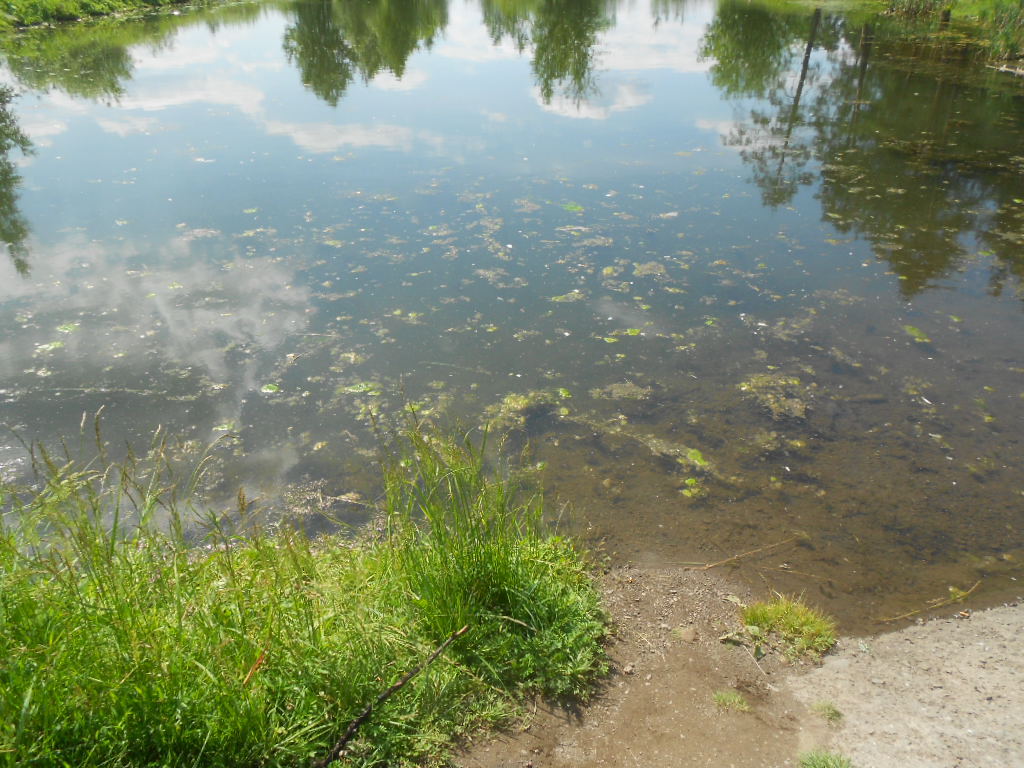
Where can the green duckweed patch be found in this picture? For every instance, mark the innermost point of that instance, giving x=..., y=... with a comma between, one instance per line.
x=131, y=637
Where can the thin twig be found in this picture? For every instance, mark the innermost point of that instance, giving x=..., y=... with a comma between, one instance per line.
x=753, y=658
x=338, y=749
x=793, y=571
x=709, y=566
x=940, y=604
x=1019, y=71
x=255, y=667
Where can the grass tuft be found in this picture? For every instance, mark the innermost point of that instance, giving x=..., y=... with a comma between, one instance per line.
x=822, y=759
x=802, y=630
x=731, y=701
x=127, y=644
x=828, y=712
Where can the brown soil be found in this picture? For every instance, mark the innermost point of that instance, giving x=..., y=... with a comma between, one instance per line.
x=657, y=707
x=942, y=694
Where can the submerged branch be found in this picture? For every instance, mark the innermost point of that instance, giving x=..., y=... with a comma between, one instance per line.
x=709, y=566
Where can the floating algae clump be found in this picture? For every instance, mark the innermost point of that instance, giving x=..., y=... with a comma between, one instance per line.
x=513, y=410
x=649, y=269
x=621, y=390
x=782, y=396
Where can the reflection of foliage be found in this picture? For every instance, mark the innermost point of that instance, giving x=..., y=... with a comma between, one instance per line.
x=669, y=10
x=754, y=49
x=332, y=42
x=13, y=227
x=920, y=157
x=94, y=60
x=751, y=47
x=86, y=63
x=563, y=34
x=912, y=155
x=335, y=42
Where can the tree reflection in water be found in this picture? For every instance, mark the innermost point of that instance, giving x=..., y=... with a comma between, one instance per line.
x=13, y=226
x=905, y=143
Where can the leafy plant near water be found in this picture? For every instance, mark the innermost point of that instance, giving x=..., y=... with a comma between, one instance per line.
x=124, y=644
x=802, y=630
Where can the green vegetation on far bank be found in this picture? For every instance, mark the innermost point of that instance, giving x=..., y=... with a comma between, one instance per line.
x=1000, y=22
x=997, y=26
x=127, y=641
x=21, y=13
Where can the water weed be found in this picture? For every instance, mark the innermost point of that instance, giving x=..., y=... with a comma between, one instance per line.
x=128, y=641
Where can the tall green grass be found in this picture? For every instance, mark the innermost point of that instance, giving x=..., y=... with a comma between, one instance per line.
x=124, y=643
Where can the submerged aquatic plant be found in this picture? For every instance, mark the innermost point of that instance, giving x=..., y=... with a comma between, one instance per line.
x=781, y=395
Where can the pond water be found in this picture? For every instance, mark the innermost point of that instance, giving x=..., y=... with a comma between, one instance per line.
x=741, y=276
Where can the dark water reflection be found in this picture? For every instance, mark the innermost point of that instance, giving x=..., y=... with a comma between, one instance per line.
x=734, y=273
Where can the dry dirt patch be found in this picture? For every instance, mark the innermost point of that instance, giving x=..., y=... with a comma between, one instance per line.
x=657, y=707
x=949, y=693
x=945, y=694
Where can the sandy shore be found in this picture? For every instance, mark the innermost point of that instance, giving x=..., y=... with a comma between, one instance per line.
x=949, y=692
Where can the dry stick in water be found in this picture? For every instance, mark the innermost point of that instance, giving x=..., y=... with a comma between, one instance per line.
x=338, y=749
x=709, y=566
x=941, y=603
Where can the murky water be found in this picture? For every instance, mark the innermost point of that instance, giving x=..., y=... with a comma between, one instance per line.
x=738, y=276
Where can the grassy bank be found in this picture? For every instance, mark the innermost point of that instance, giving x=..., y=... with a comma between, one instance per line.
x=126, y=644
x=1000, y=22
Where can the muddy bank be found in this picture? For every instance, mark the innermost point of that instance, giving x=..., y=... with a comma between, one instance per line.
x=946, y=693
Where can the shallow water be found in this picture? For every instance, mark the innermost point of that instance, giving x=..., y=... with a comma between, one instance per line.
x=735, y=273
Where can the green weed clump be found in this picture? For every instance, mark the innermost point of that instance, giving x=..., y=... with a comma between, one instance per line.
x=731, y=701
x=128, y=641
x=802, y=630
x=828, y=711
x=821, y=759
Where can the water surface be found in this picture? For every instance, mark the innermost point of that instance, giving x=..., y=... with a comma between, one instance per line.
x=737, y=275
